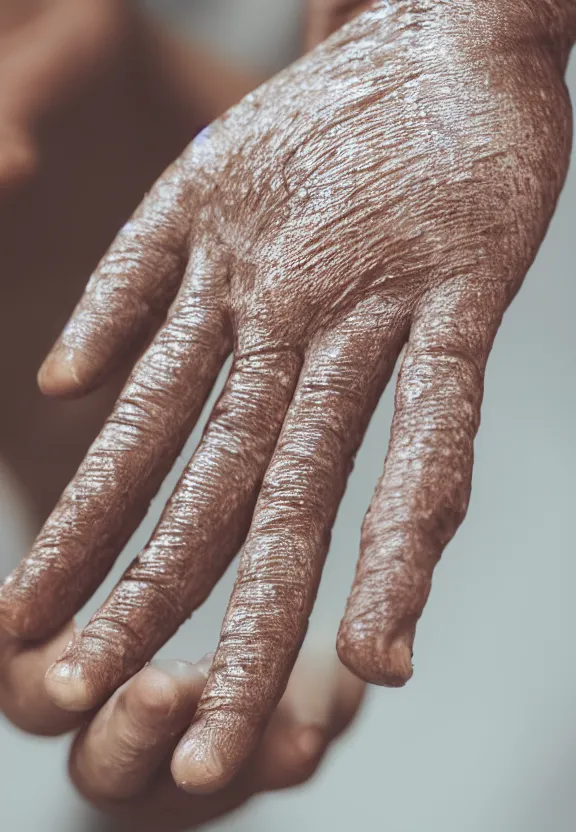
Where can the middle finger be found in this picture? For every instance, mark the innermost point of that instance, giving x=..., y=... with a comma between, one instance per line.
x=201, y=530
x=285, y=549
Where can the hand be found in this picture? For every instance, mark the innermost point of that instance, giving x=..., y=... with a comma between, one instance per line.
x=390, y=189
x=120, y=762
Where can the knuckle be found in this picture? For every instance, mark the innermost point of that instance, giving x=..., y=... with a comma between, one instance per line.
x=20, y=616
x=153, y=696
x=302, y=754
x=151, y=584
x=118, y=636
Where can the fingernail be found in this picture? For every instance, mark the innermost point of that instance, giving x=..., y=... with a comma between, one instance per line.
x=59, y=372
x=176, y=669
x=67, y=687
x=205, y=663
x=399, y=670
x=197, y=766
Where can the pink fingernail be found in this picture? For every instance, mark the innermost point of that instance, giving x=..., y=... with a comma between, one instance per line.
x=67, y=687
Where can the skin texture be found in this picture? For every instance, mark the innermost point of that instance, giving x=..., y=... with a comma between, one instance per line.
x=119, y=760
x=120, y=763
x=389, y=190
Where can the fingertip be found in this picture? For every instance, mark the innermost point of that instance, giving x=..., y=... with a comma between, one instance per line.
x=59, y=375
x=376, y=659
x=301, y=749
x=67, y=687
x=164, y=687
x=351, y=693
x=22, y=690
x=321, y=700
x=129, y=739
x=291, y=757
x=197, y=766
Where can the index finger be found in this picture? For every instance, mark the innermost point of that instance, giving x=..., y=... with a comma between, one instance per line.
x=112, y=490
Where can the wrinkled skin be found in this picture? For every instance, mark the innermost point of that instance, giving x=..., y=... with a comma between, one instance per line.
x=391, y=189
x=119, y=760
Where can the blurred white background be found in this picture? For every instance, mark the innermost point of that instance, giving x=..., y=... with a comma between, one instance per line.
x=484, y=736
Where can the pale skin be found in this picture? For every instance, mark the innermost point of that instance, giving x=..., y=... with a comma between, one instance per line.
x=390, y=190
x=118, y=760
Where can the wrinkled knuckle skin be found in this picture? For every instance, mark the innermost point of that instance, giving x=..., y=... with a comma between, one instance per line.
x=471, y=192
x=19, y=615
